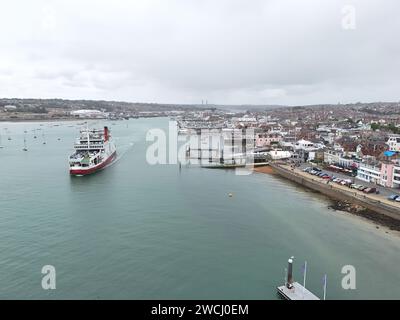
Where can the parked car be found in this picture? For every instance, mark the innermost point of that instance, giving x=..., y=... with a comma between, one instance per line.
x=369, y=190
x=347, y=182
x=362, y=188
x=393, y=197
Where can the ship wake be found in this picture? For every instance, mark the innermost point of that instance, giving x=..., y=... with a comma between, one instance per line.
x=122, y=150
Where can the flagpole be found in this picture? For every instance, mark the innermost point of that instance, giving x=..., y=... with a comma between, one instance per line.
x=285, y=277
x=304, y=276
x=325, y=287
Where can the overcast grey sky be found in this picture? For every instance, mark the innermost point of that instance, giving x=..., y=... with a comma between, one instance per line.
x=226, y=51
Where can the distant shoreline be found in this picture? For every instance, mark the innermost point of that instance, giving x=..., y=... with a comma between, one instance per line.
x=42, y=120
x=72, y=119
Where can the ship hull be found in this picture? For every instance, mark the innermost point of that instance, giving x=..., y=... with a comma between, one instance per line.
x=94, y=169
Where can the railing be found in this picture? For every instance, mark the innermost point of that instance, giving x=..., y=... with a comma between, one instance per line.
x=91, y=146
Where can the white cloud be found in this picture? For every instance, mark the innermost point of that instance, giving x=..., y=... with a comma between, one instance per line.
x=226, y=51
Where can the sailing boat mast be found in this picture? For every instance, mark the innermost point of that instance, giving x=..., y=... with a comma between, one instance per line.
x=25, y=148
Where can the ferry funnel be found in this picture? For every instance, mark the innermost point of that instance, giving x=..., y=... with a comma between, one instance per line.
x=106, y=135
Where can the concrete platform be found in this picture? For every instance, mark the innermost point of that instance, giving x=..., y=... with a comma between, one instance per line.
x=298, y=292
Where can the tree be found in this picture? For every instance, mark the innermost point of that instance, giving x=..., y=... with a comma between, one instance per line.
x=375, y=126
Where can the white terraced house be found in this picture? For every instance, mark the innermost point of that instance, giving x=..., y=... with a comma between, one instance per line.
x=394, y=143
x=396, y=177
x=369, y=173
x=386, y=174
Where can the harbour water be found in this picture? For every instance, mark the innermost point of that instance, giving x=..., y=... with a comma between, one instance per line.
x=137, y=231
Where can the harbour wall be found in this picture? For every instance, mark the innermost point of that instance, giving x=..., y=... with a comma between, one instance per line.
x=338, y=194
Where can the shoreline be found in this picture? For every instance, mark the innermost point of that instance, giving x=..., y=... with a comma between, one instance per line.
x=366, y=214
x=46, y=120
x=379, y=221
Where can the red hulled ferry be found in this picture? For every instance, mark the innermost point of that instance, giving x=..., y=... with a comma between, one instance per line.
x=94, y=150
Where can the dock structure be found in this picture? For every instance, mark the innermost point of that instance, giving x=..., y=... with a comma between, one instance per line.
x=293, y=290
x=296, y=292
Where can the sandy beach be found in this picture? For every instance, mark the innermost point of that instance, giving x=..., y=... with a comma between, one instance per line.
x=265, y=169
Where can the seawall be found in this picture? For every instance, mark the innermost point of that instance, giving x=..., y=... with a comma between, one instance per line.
x=338, y=193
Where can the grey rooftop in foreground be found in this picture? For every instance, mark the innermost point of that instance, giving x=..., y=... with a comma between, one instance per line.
x=297, y=292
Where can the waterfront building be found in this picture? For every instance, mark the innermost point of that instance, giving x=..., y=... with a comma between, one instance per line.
x=306, y=145
x=10, y=108
x=267, y=139
x=306, y=149
x=396, y=176
x=387, y=169
x=349, y=162
x=394, y=143
x=341, y=159
x=369, y=173
x=279, y=154
x=386, y=173
x=390, y=170
x=332, y=156
x=83, y=113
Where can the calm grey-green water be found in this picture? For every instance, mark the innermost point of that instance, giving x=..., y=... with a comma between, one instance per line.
x=137, y=231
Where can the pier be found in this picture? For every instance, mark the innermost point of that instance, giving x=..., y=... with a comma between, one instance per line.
x=293, y=290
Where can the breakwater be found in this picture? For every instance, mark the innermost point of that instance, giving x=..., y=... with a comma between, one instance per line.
x=338, y=193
